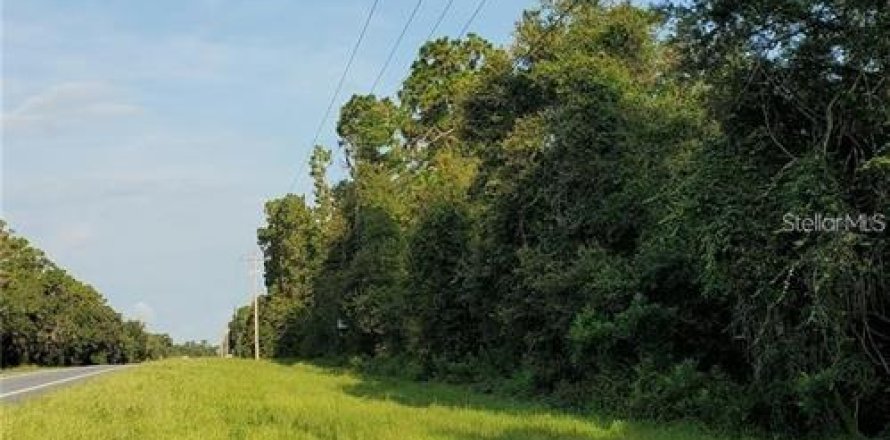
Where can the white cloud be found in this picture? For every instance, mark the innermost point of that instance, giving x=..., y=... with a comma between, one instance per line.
x=143, y=312
x=75, y=236
x=67, y=105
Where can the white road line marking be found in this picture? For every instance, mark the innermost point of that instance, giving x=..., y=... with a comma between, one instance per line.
x=56, y=382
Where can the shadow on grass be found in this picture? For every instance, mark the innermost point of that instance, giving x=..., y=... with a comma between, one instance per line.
x=520, y=434
x=422, y=394
x=287, y=362
x=418, y=394
x=426, y=394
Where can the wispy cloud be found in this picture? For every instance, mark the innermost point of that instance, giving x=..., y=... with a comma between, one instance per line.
x=68, y=104
x=141, y=311
x=76, y=236
x=139, y=143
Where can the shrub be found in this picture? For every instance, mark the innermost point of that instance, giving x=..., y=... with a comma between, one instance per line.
x=682, y=391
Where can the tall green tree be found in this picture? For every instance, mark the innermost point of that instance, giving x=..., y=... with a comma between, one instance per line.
x=595, y=214
x=800, y=96
x=50, y=318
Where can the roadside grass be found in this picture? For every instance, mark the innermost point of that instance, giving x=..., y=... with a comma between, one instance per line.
x=244, y=399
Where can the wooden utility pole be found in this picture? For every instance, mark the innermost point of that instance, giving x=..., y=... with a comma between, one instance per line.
x=224, y=344
x=254, y=268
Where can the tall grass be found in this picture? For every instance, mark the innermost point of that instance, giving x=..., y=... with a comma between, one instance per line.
x=243, y=399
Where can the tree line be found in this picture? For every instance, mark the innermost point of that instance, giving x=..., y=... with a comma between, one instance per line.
x=596, y=215
x=47, y=317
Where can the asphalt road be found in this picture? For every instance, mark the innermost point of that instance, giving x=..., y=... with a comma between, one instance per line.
x=24, y=385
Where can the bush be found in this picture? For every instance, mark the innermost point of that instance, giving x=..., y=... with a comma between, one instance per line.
x=682, y=391
x=402, y=367
x=520, y=383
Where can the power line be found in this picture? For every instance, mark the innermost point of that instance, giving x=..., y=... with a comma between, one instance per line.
x=355, y=48
x=463, y=30
x=358, y=43
x=339, y=87
x=395, y=46
x=439, y=20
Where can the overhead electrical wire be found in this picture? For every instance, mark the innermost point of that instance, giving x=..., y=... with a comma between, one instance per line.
x=395, y=46
x=463, y=30
x=439, y=20
x=386, y=64
x=339, y=87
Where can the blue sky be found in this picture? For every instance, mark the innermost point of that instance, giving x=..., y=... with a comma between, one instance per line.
x=141, y=138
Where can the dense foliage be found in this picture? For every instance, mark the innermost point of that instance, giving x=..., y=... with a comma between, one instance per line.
x=597, y=214
x=200, y=348
x=49, y=318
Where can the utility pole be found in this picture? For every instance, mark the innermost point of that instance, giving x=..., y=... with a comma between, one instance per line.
x=254, y=270
x=224, y=344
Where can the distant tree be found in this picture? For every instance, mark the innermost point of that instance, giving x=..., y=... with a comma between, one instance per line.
x=49, y=318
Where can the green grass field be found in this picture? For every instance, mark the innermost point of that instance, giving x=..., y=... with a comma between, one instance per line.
x=243, y=399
